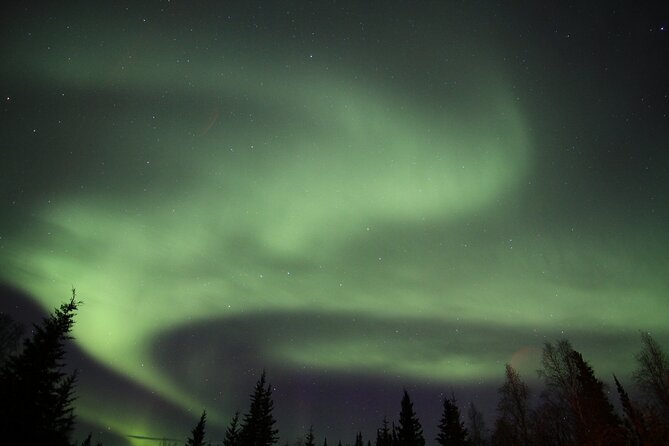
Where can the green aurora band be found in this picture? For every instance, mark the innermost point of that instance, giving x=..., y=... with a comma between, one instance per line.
x=228, y=186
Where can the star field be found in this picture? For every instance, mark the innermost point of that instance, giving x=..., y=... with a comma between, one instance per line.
x=355, y=197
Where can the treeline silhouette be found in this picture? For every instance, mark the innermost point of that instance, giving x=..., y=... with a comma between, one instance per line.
x=37, y=395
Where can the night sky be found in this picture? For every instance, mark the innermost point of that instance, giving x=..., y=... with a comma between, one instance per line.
x=355, y=196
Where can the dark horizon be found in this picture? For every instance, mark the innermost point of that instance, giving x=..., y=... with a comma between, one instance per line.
x=428, y=399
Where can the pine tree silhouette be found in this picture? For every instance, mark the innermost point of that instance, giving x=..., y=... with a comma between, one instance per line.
x=358, y=439
x=310, y=439
x=633, y=420
x=258, y=426
x=410, y=432
x=36, y=394
x=232, y=432
x=88, y=441
x=197, y=434
x=383, y=435
x=598, y=423
x=452, y=430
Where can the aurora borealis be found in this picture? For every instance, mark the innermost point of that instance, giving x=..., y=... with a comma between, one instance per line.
x=355, y=197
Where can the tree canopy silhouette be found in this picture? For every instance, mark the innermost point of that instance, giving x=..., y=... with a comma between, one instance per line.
x=258, y=426
x=410, y=432
x=197, y=434
x=383, y=435
x=452, y=430
x=310, y=440
x=36, y=393
x=232, y=432
x=358, y=439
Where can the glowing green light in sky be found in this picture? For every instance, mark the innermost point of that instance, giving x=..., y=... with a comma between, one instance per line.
x=310, y=191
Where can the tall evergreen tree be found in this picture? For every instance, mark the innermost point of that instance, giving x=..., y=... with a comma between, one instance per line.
x=325, y=441
x=358, y=439
x=633, y=418
x=310, y=440
x=258, y=426
x=383, y=435
x=598, y=422
x=197, y=434
x=36, y=394
x=452, y=430
x=232, y=432
x=88, y=441
x=410, y=432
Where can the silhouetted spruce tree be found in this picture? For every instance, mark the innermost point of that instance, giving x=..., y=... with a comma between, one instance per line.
x=310, y=440
x=633, y=419
x=383, y=435
x=512, y=407
x=358, y=439
x=232, y=432
x=36, y=394
x=476, y=426
x=410, y=432
x=197, y=434
x=599, y=423
x=325, y=441
x=88, y=441
x=258, y=426
x=452, y=430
